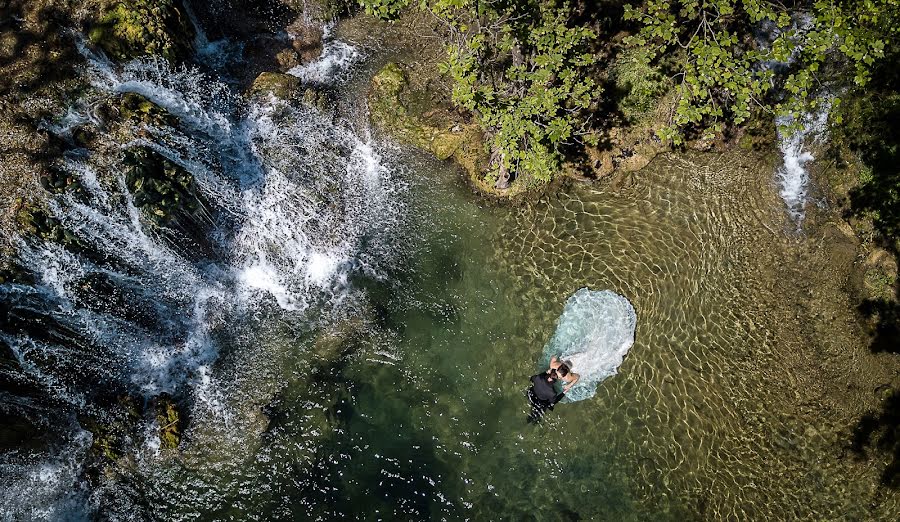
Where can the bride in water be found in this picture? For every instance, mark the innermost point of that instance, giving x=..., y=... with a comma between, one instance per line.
x=567, y=377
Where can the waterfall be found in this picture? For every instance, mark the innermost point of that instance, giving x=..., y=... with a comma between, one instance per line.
x=792, y=176
x=288, y=196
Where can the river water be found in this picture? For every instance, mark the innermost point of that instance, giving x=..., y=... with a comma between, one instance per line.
x=357, y=340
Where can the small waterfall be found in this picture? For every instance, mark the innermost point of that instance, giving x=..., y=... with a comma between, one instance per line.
x=792, y=176
x=336, y=59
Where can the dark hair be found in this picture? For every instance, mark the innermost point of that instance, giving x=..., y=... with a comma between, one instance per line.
x=563, y=370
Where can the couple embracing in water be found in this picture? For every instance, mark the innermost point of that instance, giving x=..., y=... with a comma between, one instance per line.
x=543, y=393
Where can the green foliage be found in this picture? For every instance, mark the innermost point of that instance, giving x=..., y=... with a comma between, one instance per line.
x=384, y=9
x=720, y=69
x=641, y=82
x=522, y=69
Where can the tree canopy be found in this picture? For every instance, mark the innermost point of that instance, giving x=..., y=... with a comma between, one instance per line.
x=528, y=69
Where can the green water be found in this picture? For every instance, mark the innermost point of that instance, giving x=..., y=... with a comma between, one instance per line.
x=418, y=413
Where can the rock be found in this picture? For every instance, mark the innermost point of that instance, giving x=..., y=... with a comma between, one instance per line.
x=170, y=422
x=306, y=38
x=132, y=28
x=163, y=189
x=283, y=86
x=287, y=59
x=410, y=115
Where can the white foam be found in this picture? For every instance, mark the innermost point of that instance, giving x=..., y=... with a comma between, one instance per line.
x=48, y=489
x=793, y=176
x=336, y=59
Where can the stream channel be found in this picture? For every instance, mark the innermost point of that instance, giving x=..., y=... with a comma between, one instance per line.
x=356, y=339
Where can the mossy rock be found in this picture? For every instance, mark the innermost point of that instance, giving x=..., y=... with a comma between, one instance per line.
x=129, y=29
x=33, y=220
x=56, y=182
x=161, y=188
x=111, y=437
x=170, y=422
x=409, y=115
x=282, y=86
x=137, y=108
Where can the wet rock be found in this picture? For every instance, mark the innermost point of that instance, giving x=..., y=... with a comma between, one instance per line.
x=283, y=86
x=170, y=422
x=287, y=59
x=160, y=187
x=410, y=114
x=111, y=435
x=34, y=220
x=131, y=28
x=136, y=108
x=306, y=38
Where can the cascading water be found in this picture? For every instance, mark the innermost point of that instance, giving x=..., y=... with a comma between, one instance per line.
x=287, y=194
x=593, y=335
x=792, y=176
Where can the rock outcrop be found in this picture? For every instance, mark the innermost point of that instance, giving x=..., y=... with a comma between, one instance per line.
x=409, y=113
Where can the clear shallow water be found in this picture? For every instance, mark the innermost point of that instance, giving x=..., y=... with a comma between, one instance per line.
x=363, y=355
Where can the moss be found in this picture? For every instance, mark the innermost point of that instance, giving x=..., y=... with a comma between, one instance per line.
x=133, y=28
x=160, y=187
x=283, y=86
x=134, y=107
x=170, y=421
x=410, y=116
x=111, y=437
x=34, y=221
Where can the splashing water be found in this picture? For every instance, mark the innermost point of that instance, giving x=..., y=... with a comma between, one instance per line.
x=593, y=334
x=792, y=176
x=288, y=196
x=336, y=59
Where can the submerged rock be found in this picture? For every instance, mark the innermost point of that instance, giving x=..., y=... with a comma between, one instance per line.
x=411, y=115
x=131, y=28
x=159, y=186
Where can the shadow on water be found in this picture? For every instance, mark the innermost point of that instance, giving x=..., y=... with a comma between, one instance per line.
x=880, y=431
x=871, y=127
